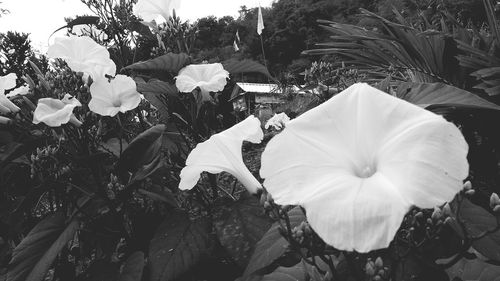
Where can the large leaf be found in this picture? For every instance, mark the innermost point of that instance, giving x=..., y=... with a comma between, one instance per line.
x=272, y=245
x=169, y=62
x=35, y=254
x=151, y=150
x=295, y=273
x=434, y=94
x=239, y=226
x=132, y=270
x=82, y=20
x=158, y=93
x=477, y=221
x=156, y=86
x=142, y=150
x=245, y=66
x=474, y=270
x=177, y=246
x=423, y=57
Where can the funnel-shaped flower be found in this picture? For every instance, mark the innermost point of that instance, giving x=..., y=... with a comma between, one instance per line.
x=54, y=112
x=359, y=161
x=82, y=54
x=222, y=152
x=109, y=98
x=150, y=10
x=7, y=82
x=278, y=121
x=209, y=77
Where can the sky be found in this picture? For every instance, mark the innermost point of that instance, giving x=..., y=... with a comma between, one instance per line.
x=42, y=17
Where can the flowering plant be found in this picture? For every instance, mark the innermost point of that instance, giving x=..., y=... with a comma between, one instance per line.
x=131, y=175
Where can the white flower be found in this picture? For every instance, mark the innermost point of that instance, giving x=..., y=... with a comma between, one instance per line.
x=150, y=10
x=359, y=161
x=7, y=82
x=209, y=77
x=278, y=121
x=23, y=90
x=82, y=54
x=109, y=98
x=54, y=112
x=222, y=152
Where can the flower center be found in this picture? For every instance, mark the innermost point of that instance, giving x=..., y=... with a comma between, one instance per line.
x=366, y=171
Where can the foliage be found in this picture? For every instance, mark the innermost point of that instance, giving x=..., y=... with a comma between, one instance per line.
x=16, y=50
x=100, y=201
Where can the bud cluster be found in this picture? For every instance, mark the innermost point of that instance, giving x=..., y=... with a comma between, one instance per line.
x=423, y=225
x=468, y=190
x=375, y=270
x=113, y=187
x=45, y=163
x=495, y=202
x=301, y=232
x=267, y=201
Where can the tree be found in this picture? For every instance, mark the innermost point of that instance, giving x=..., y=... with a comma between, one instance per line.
x=16, y=48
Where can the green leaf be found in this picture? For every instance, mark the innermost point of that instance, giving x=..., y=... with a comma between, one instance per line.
x=165, y=196
x=113, y=145
x=32, y=258
x=177, y=246
x=272, y=245
x=239, y=226
x=82, y=20
x=132, y=270
x=477, y=221
x=435, y=94
x=155, y=86
x=474, y=270
x=142, y=150
x=169, y=62
x=245, y=66
x=159, y=93
x=295, y=273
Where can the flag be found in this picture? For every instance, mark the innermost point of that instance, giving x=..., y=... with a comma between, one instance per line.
x=236, y=41
x=235, y=45
x=260, y=22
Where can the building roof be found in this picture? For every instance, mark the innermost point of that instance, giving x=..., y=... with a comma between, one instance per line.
x=259, y=88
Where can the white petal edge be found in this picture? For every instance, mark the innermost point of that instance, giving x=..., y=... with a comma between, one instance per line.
x=222, y=152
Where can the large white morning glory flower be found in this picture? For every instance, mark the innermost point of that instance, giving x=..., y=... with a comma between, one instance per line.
x=7, y=82
x=150, y=10
x=209, y=77
x=118, y=95
x=222, y=153
x=359, y=161
x=278, y=121
x=83, y=54
x=54, y=112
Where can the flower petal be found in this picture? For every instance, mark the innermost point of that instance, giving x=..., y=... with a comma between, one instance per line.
x=109, y=98
x=150, y=10
x=82, y=54
x=364, y=133
x=278, y=121
x=209, y=77
x=355, y=214
x=4, y=101
x=7, y=82
x=222, y=152
x=54, y=112
x=23, y=90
